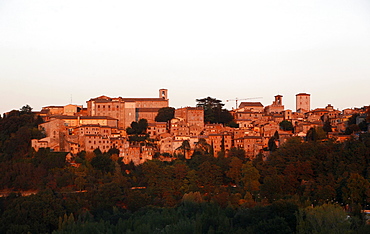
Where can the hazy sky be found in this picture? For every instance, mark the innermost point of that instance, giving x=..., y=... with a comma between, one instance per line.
x=52, y=50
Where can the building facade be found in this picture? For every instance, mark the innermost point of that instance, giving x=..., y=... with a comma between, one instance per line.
x=127, y=110
x=303, y=102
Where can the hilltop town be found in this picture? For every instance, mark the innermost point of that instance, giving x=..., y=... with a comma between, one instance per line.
x=124, y=165
x=103, y=125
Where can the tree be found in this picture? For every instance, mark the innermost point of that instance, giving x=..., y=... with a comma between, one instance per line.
x=323, y=219
x=209, y=103
x=327, y=126
x=226, y=118
x=272, y=187
x=17, y=128
x=185, y=147
x=321, y=134
x=102, y=162
x=286, y=125
x=32, y=214
x=213, y=111
x=235, y=170
x=202, y=147
x=165, y=114
x=275, y=225
x=250, y=177
x=232, y=124
x=352, y=119
x=137, y=130
x=363, y=126
x=237, y=152
x=138, y=127
x=357, y=189
x=80, y=182
x=26, y=109
x=143, y=125
x=351, y=129
x=209, y=176
x=271, y=144
x=311, y=135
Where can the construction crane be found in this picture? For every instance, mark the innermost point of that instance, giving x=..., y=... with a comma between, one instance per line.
x=242, y=99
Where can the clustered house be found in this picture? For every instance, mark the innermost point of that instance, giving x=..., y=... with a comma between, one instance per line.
x=102, y=125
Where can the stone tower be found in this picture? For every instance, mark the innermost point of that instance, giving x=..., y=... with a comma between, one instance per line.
x=163, y=94
x=278, y=100
x=303, y=102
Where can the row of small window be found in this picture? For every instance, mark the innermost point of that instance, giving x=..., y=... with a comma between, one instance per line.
x=99, y=142
x=92, y=129
x=104, y=147
x=242, y=146
x=90, y=132
x=103, y=106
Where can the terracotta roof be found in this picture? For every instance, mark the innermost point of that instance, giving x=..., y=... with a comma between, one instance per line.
x=102, y=100
x=44, y=111
x=46, y=107
x=81, y=117
x=108, y=99
x=248, y=112
x=254, y=104
x=143, y=99
x=320, y=110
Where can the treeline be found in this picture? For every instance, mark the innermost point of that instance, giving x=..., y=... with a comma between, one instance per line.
x=17, y=128
x=303, y=187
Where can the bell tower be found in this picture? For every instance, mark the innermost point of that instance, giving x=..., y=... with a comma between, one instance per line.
x=163, y=94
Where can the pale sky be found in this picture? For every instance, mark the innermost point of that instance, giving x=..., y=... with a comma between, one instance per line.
x=51, y=51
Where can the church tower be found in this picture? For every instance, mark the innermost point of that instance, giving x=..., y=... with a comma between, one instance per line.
x=163, y=94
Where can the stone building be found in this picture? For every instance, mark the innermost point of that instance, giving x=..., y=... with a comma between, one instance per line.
x=178, y=127
x=191, y=115
x=251, y=106
x=252, y=145
x=303, y=102
x=276, y=106
x=221, y=141
x=156, y=129
x=127, y=110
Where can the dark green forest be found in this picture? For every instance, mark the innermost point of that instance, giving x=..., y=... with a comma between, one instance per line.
x=316, y=186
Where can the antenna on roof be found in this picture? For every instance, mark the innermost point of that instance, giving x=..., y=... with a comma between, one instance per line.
x=71, y=98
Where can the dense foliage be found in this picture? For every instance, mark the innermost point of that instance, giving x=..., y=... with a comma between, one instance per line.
x=214, y=111
x=165, y=114
x=17, y=128
x=303, y=187
x=137, y=131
